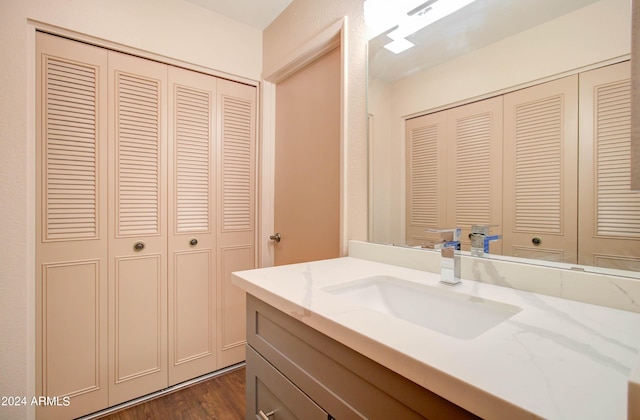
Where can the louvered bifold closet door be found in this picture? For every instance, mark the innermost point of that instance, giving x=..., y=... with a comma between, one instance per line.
x=192, y=245
x=426, y=177
x=540, y=171
x=474, y=174
x=236, y=207
x=71, y=228
x=137, y=228
x=609, y=218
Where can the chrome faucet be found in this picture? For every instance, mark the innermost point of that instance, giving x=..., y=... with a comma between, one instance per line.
x=450, y=251
x=480, y=239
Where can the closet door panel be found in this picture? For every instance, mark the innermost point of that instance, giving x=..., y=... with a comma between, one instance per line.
x=138, y=324
x=609, y=218
x=475, y=168
x=71, y=228
x=427, y=163
x=192, y=240
x=232, y=324
x=540, y=171
x=138, y=237
x=192, y=333
x=236, y=203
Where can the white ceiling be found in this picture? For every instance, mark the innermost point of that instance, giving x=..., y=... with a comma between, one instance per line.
x=476, y=25
x=256, y=13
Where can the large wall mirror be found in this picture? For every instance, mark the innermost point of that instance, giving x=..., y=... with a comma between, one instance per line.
x=500, y=50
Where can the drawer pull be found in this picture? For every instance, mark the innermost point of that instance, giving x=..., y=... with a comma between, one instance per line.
x=264, y=416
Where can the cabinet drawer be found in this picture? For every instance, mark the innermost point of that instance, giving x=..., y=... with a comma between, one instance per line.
x=269, y=392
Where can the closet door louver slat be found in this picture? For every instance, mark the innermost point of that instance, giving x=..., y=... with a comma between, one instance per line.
x=538, y=163
x=237, y=176
x=426, y=183
x=618, y=208
x=423, y=171
x=137, y=113
x=70, y=135
x=193, y=149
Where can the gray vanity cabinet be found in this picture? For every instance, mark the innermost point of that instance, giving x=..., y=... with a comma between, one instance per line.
x=294, y=371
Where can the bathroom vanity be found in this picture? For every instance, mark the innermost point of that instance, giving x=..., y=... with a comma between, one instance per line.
x=344, y=338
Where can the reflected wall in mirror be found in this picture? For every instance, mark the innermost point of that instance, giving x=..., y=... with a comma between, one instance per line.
x=502, y=51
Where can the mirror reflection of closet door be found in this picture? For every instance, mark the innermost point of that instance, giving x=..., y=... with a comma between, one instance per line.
x=540, y=171
x=609, y=218
x=474, y=174
x=454, y=171
x=426, y=151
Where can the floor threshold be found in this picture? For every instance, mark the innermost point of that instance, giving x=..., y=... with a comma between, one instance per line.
x=161, y=393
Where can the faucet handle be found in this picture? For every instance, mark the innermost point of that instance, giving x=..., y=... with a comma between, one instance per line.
x=450, y=237
x=481, y=229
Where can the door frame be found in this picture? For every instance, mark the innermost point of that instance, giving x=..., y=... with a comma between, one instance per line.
x=332, y=37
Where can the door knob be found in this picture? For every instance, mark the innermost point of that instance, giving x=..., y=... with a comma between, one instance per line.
x=138, y=246
x=536, y=241
x=193, y=242
x=275, y=237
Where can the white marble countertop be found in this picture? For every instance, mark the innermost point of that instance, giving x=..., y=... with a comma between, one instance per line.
x=556, y=359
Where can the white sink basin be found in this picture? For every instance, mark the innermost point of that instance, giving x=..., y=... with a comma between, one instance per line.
x=452, y=313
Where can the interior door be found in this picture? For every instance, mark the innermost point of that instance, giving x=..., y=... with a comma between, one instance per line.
x=609, y=218
x=236, y=228
x=192, y=245
x=540, y=171
x=71, y=235
x=307, y=172
x=137, y=228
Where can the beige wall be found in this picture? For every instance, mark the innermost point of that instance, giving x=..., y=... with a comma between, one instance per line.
x=172, y=28
x=379, y=97
x=298, y=25
x=590, y=35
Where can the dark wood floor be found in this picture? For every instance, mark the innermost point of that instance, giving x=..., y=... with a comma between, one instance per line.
x=218, y=398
